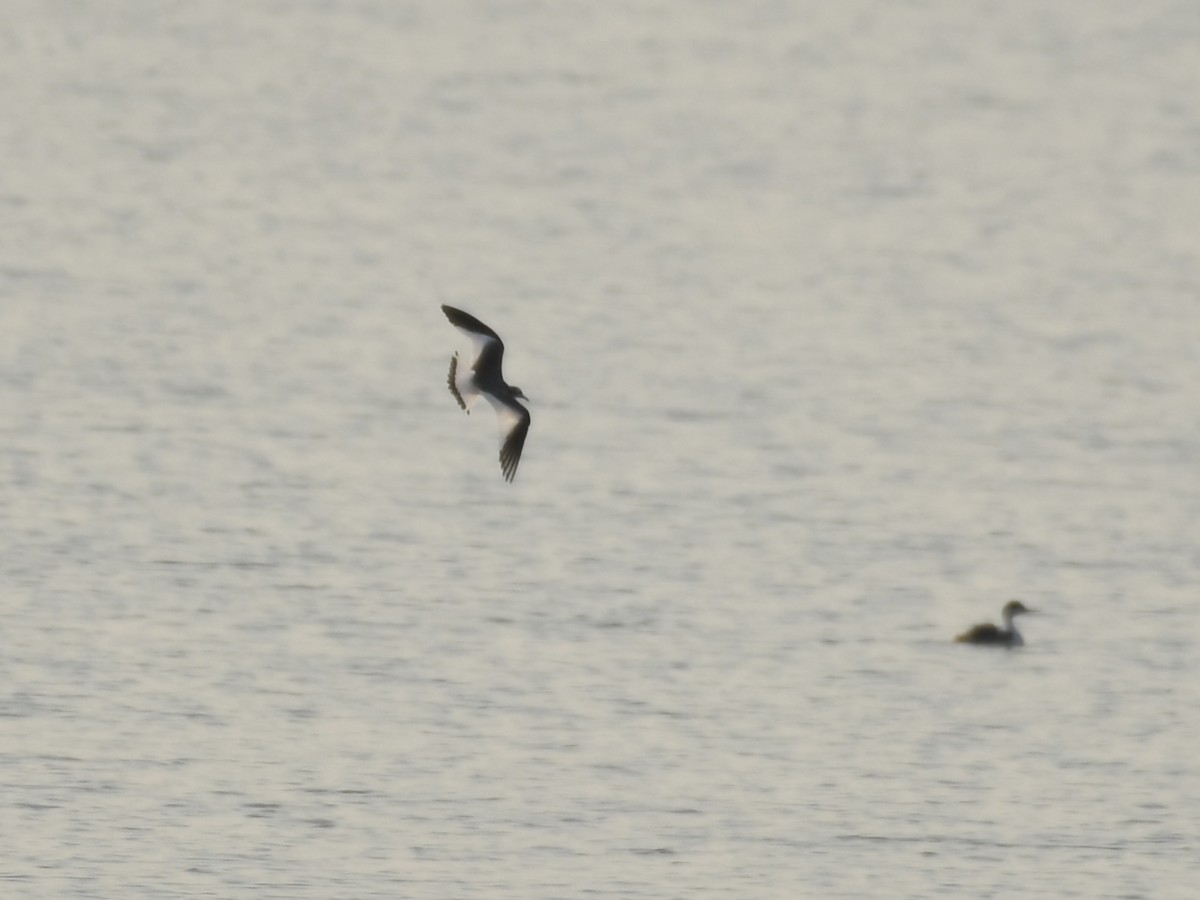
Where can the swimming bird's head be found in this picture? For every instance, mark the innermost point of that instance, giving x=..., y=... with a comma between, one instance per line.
x=1014, y=608
x=520, y=394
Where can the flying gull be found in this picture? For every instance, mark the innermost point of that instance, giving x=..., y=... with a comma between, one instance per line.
x=483, y=377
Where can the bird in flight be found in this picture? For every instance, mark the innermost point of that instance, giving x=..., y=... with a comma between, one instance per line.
x=483, y=377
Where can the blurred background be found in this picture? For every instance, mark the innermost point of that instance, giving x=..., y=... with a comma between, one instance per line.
x=842, y=324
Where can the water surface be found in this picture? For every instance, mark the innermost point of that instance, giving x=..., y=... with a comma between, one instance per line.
x=842, y=324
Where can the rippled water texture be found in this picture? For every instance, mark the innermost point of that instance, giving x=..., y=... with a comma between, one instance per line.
x=842, y=324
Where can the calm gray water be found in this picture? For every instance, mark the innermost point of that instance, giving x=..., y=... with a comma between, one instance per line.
x=843, y=324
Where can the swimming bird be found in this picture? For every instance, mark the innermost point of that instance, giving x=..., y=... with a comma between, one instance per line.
x=987, y=633
x=484, y=378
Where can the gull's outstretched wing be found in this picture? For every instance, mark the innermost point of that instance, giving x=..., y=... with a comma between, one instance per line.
x=489, y=349
x=512, y=440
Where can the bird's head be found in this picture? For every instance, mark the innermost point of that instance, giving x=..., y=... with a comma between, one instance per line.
x=520, y=394
x=1015, y=608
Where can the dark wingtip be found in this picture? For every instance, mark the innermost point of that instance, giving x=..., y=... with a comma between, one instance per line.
x=508, y=466
x=468, y=322
x=456, y=316
x=509, y=458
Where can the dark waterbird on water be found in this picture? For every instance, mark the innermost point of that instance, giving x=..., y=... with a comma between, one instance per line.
x=484, y=378
x=987, y=633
